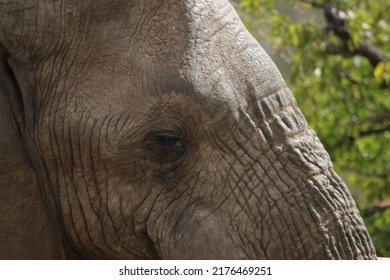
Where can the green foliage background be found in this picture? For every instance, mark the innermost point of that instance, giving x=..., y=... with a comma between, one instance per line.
x=344, y=96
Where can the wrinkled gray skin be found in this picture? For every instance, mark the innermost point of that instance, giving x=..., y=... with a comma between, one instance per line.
x=158, y=129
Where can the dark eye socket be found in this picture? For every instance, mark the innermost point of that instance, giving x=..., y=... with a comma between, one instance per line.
x=167, y=140
x=167, y=146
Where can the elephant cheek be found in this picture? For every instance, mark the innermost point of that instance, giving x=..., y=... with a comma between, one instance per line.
x=198, y=235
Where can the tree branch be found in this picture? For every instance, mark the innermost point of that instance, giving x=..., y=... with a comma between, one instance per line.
x=374, y=131
x=377, y=208
x=363, y=133
x=313, y=3
x=338, y=24
x=381, y=117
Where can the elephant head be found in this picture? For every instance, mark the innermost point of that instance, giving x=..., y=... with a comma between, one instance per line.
x=158, y=129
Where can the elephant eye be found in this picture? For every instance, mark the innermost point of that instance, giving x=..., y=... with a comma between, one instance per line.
x=166, y=140
x=170, y=142
x=167, y=146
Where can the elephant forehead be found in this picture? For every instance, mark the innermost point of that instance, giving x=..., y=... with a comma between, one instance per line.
x=170, y=28
x=210, y=62
x=157, y=31
x=140, y=52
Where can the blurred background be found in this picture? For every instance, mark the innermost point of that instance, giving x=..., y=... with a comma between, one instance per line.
x=335, y=56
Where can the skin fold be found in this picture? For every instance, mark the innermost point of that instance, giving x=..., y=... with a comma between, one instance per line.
x=158, y=129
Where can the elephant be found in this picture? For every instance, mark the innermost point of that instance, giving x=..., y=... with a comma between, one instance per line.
x=142, y=129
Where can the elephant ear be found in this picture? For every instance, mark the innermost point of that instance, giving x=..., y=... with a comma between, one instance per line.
x=27, y=229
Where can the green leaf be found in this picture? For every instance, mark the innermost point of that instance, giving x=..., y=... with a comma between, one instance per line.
x=379, y=69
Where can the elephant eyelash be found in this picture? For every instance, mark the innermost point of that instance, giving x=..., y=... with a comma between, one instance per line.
x=168, y=140
x=166, y=146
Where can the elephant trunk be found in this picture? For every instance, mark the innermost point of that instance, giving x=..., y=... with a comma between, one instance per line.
x=304, y=209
